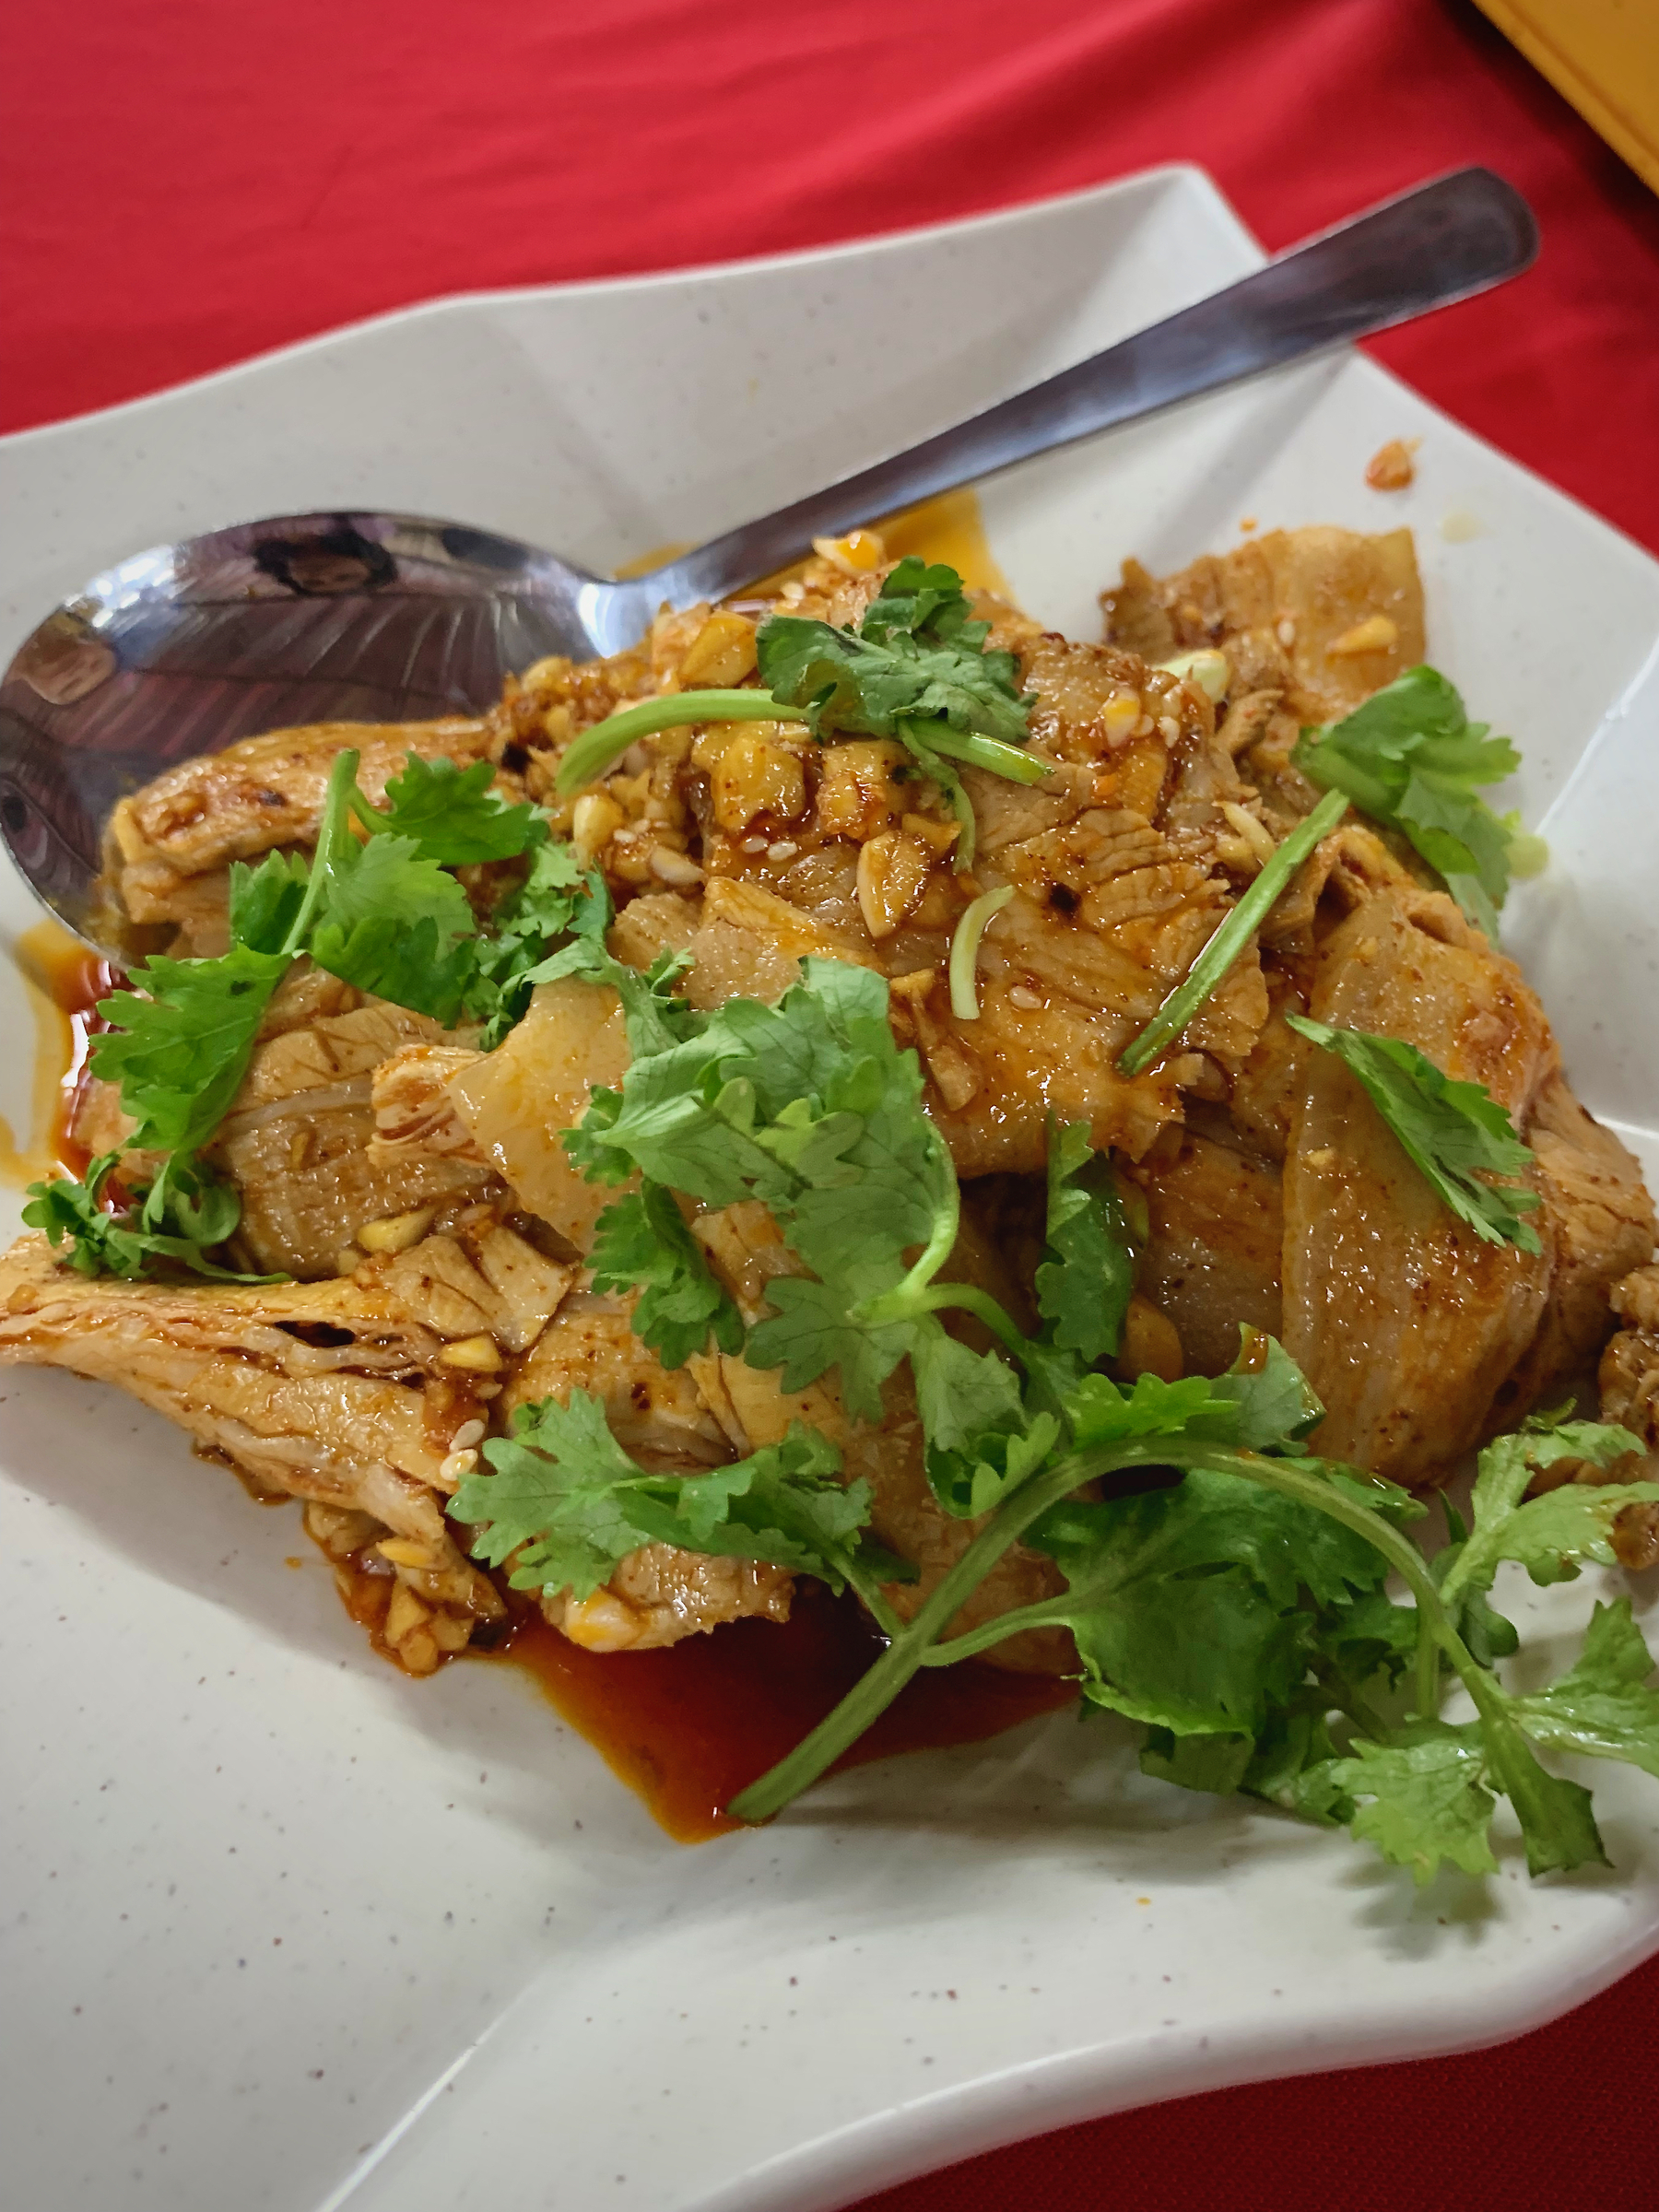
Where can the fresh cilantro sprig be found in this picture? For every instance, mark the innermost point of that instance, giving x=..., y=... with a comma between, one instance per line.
x=1456, y=1135
x=182, y=1218
x=642, y=1242
x=453, y=815
x=376, y=906
x=566, y=1505
x=915, y=669
x=1249, y=1637
x=1411, y=758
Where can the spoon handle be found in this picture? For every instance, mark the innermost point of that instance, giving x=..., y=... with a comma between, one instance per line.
x=1442, y=242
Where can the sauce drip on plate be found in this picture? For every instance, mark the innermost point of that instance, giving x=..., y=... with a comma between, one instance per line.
x=686, y=1728
x=62, y=981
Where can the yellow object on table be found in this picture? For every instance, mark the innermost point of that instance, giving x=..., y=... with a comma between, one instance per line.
x=1602, y=55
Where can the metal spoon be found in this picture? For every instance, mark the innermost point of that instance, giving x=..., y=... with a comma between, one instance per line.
x=180, y=650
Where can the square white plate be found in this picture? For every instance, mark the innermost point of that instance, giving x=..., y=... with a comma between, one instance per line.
x=291, y=1932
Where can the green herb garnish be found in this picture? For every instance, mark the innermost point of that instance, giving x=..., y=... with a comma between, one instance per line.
x=915, y=669
x=1205, y=977
x=1456, y=1135
x=1411, y=758
x=181, y=1218
x=566, y=1499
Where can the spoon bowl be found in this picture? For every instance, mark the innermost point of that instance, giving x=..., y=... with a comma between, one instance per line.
x=185, y=648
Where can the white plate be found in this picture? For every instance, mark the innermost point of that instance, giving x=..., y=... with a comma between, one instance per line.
x=295, y=1933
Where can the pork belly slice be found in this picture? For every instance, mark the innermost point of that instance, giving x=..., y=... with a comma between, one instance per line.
x=1405, y=1323
x=1597, y=1223
x=1321, y=617
x=352, y=1394
x=257, y=794
x=297, y=1141
x=1213, y=1253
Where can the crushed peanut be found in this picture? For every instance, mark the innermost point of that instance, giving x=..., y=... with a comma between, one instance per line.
x=404, y=1551
x=1377, y=633
x=397, y=1232
x=479, y=1355
x=1392, y=468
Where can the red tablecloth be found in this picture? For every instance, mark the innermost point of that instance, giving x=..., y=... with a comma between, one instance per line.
x=184, y=182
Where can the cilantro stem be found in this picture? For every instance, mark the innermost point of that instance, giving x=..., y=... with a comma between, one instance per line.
x=989, y=753
x=939, y=1298
x=915, y=735
x=911, y=1649
x=964, y=951
x=336, y=808
x=905, y=1298
x=875, y=1691
x=591, y=754
x=870, y=1594
x=1203, y=978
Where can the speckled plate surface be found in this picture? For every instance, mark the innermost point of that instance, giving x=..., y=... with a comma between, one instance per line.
x=287, y=1931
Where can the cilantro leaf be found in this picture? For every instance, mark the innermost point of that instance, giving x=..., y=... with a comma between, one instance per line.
x=1275, y=1407
x=1085, y=1280
x=1426, y=1797
x=555, y=899
x=1549, y=1534
x=451, y=815
x=811, y=1108
x=1600, y=1707
x=393, y=923
x=915, y=656
x=1102, y=1412
x=915, y=669
x=179, y=1041
x=180, y=1218
x=1172, y=1627
x=1557, y=1824
x=1410, y=758
x=567, y=1505
x=654, y=1017
x=265, y=901
x=389, y=880
x=1456, y=1135
x=642, y=1242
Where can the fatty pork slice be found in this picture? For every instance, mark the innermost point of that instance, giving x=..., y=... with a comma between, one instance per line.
x=517, y=1100
x=353, y=1394
x=297, y=1142
x=167, y=846
x=658, y=1594
x=1597, y=1223
x=1216, y=1230
x=1405, y=1322
x=1320, y=617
